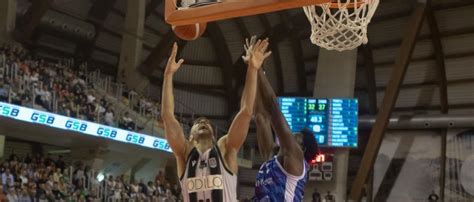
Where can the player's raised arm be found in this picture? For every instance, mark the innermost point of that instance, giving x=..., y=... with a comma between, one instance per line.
x=282, y=130
x=239, y=127
x=173, y=131
x=265, y=140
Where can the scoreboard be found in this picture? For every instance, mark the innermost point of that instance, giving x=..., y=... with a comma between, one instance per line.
x=333, y=121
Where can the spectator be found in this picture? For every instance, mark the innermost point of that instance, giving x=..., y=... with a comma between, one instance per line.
x=48, y=160
x=168, y=187
x=151, y=189
x=34, y=78
x=79, y=174
x=127, y=122
x=57, y=175
x=109, y=117
x=60, y=163
x=110, y=185
x=11, y=195
x=90, y=97
x=13, y=158
x=24, y=196
x=27, y=159
x=100, y=108
x=143, y=188
x=58, y=195
x=118, y=188
x=160, y=177
x=87, y=174
x=4, y=89
x=39, y=92
x=134, y=189
x=40, y=193
x=23, y=177
x=169, y=196
x=316, y=197
x=46, y=97
x=7, y=179
x=161, y=191
x=156, y=110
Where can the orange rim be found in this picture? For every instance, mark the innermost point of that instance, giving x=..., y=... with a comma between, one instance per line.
x=351, y=4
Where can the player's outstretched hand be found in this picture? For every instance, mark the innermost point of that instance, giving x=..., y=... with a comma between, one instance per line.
x=172, y=65
x=258, y=53
x=248, y=47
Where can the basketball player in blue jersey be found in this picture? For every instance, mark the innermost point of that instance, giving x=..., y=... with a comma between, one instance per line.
x=207, y=167
x=283, y=176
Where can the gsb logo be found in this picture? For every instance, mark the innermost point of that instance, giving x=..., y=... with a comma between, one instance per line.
x=9, y=111
x=161, y=145
x=106, y=132
x=135, y=139
x=75, y=125
x=42, y=118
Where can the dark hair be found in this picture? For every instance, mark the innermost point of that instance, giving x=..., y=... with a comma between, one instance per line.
x=202, y=118
x=310, y=146
x=206, y=120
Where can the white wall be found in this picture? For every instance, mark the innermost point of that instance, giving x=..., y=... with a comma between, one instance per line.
x=418, y=176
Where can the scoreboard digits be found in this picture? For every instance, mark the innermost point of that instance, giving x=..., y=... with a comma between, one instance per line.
x=333, y=121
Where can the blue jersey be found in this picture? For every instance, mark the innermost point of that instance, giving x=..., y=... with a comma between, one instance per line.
x=276, y=185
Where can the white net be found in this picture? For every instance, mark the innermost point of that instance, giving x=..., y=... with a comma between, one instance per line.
x=341, y=25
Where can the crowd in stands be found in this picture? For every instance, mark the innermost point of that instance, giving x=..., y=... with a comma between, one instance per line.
x=59, y=88
x=33, y=82
x=117, y=190
x=42, y=178
x=56, y=87
x=62, y=88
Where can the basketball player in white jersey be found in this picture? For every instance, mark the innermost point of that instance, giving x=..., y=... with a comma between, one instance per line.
x=207, y=167
x=283, y=176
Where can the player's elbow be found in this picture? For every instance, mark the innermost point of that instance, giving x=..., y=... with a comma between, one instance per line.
x=246, y=112
x=167, y=117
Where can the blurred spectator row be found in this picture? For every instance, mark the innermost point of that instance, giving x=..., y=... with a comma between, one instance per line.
x=117, y=190
x=73, y=90
x=41, y=178
x=66, y=89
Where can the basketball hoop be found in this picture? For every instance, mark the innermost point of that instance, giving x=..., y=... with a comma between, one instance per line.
x=342, y=24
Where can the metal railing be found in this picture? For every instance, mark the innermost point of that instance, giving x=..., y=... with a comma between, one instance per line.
x=144, y=111
x=114, y=93
x=135, y=101
x=2, y=66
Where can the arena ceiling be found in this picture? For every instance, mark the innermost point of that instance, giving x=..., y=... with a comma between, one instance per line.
x=213, y=74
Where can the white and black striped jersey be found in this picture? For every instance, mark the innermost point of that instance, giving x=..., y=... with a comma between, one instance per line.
x=206, y=178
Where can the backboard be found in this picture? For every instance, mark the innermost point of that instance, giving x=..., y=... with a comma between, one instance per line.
x=229, y=9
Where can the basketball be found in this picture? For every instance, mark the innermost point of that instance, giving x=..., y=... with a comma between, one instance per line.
x=190, y=32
